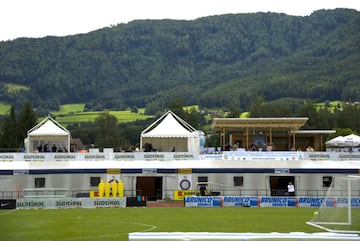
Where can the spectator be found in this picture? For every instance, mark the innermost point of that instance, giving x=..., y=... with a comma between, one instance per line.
x=309, y=148
x=202, y=190
x=53, y=149
x=291, y=189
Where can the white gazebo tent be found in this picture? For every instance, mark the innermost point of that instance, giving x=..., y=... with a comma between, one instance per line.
x=336, y=141
x=352, y=140
x=48, y=132
x=171, y=131
x=344, y=141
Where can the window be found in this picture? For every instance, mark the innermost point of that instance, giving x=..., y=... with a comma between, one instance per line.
x=94, y=181
x=39, y=182
x=327, y=180
x=238, y=181
x=202, y=179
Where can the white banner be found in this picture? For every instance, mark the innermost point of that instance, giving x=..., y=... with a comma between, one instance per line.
x=166, y=156
x=100, y=156
x=33, y=203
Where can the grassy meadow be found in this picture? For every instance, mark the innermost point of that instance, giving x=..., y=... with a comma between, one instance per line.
x=4, y=108
x=116, y=223
x=332, y=105
x=74, y=113
x=90, y=116
x=13, y=88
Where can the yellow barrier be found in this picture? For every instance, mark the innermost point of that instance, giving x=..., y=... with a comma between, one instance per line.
x=108, y=189
x=120, y=188
x=101, y=188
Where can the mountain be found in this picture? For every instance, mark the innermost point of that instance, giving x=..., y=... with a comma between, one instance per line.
x=212, y=61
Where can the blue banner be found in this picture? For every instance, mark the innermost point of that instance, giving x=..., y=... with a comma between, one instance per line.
x=310, y=202
x=278, y=201
x=205, y=201
x=253, y=201
x=236, y=201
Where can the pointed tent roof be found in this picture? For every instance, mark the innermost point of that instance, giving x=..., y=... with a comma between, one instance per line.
x=48, y=127
x=337, y=141
x=352, y=140
x=349, y=140
x=169, y=125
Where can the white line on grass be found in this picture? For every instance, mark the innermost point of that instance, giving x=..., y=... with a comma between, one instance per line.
x=8, y=212
x=150, y=228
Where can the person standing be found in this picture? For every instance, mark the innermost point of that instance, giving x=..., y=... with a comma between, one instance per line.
x=291, y=189
x=202, y=190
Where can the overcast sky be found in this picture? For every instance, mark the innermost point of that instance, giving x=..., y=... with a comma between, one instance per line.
x=39, y=18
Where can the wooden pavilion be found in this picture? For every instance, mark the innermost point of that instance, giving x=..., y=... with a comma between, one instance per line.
x=281, y=133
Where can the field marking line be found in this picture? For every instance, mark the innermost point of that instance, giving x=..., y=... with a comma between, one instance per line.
x=8, y=212
x=150, y=228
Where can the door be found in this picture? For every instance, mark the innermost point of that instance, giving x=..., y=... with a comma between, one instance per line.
x=149, y=187
x=278, y=185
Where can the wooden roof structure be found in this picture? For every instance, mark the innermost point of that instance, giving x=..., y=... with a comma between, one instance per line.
x=290, y=124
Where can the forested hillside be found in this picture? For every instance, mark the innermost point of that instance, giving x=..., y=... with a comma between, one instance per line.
x=214, y=62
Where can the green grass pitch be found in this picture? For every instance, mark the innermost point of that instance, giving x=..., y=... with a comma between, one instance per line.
x=116, y=223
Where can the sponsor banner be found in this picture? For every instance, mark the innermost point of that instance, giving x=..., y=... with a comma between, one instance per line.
x=236, y=201
x=211, y=157
x=103, y=202
x=30, y=203
x=310, y=202
x=337, y=202
x=97, y=156
x=70, y=203
x=342, y=202
x=355, y=202
x=7, y=203
x=278, y=202
x=48, y=203
x=124, y=156
x=262, y=155
x=204, y=201
x=253, y=201
x=181, y=194
x=220, y=201
x=132, y=156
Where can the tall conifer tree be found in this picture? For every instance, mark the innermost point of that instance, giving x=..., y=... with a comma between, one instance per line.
x=27, y=120
x=9, y=132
